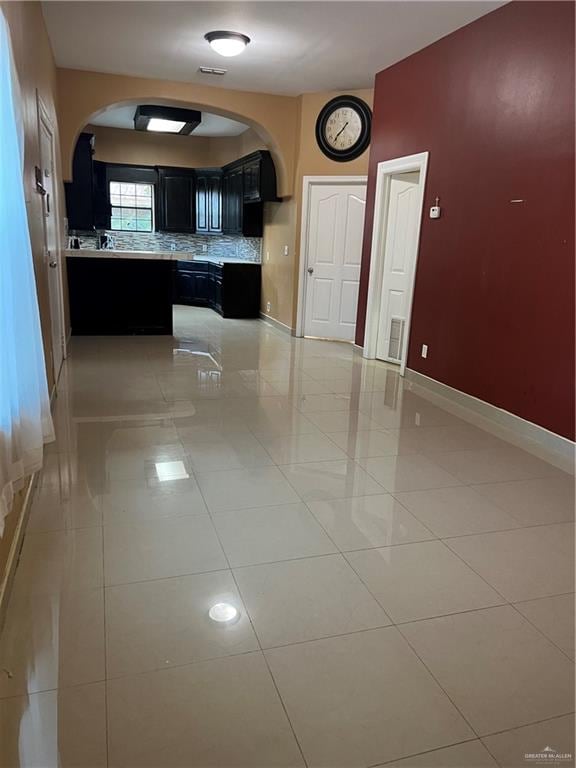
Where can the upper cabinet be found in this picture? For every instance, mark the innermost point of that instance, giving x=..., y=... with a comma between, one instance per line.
x=175, y=200
x=232, y=200
x=208, y=201
x=258, y=177
x=79, y=192
x=247, y=184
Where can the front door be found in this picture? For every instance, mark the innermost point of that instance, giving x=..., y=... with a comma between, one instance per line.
x=51, y=244
x=334, y=253
x=401, y=247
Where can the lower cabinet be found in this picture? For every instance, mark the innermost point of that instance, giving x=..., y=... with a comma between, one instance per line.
x=233, y=290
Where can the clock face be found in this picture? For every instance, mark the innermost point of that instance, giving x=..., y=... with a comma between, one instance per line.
x=343, y=128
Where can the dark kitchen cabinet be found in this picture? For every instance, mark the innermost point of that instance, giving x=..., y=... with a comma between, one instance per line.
x=233, y=290
x=100, y=196
x=192, y=284
x=232, y=200
x=208, y=201
x=247, y=184
x=79, y=192
x=252, y=180
x=175, y=203
x=119, y=296
x=225, y=200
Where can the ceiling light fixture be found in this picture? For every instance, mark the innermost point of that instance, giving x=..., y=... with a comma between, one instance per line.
x=227, y=43
x=160, y=119
x=164, y=126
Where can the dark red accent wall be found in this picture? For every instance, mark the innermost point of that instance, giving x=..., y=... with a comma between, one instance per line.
x=493, y=104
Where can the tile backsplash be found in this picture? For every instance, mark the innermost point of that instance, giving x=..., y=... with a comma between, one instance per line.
x=217, y=246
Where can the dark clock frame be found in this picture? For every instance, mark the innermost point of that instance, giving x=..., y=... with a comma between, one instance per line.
x=344, y=155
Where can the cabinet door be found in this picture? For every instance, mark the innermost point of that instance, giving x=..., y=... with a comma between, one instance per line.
x=176, y=203
x=252, y=180
x=79, y=192
x=202, y=205
x=102, y=208
x=237, y=199
x=184, y=288
x=214, y=203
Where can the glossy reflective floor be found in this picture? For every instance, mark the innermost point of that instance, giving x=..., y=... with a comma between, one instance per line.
x=397, y=583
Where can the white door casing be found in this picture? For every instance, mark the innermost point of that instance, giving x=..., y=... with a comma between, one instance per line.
x=332, y=256
x=379, y=257
x=400, y=246
x=52, y=251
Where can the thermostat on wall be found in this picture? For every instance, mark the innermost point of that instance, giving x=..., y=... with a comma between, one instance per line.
x=435, y=210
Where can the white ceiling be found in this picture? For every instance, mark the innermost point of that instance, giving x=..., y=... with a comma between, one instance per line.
x=296, y=47
x=211, y=125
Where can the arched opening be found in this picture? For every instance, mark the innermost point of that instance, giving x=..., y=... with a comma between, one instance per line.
x=261, y=133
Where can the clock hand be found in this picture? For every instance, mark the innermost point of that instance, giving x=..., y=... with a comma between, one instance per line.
x=340, y=131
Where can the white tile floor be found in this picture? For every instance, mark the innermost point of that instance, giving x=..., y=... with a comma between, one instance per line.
x=403, y=581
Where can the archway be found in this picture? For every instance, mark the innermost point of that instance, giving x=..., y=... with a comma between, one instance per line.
x=84, y=95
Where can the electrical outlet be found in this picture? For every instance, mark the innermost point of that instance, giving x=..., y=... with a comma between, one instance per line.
x=268, y=306
x=204, y=248
x=267, y=255
x=424, y=352
x=285, y=250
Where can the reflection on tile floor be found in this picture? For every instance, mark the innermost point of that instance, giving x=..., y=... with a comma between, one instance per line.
x=396, y=584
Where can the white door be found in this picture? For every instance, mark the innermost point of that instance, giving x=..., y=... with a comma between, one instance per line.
x=401, y=247
x=51, y=244
x=334, y=254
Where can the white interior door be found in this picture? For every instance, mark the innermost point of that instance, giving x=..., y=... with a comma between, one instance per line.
x=401, y=247
x=334, y=253
x=51, y=241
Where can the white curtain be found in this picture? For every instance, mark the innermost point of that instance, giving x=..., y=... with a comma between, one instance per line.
x=25, y=421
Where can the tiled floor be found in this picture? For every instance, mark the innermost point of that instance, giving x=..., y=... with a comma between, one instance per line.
x=403, y=581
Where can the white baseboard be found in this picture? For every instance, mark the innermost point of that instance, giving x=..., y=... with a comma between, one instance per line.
x=12, y=561
x=277, y=324
x=525, y=434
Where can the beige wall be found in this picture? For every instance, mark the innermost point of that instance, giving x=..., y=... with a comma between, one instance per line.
x=117, y=145
x=36, y=70
x=82, y=95
x=278, y=269
x=280, y=273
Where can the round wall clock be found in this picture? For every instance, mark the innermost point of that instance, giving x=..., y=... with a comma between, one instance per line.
x=343, y=128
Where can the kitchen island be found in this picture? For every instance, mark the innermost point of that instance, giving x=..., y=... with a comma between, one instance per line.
x=132, y=292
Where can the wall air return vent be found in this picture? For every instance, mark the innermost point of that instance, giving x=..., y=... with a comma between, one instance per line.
x=396, y=338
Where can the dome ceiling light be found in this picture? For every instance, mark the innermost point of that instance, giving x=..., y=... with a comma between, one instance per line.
x=227, y=43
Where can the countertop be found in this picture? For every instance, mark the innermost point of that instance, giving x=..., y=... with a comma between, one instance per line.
x=91, y=253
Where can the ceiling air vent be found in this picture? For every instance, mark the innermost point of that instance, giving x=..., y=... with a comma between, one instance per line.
x=212, y=71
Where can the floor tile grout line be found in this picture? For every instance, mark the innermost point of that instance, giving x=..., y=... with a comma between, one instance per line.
x=437, y=681
x=106, y=713
x=425, y=752
x=540, y=630
x=477, y=739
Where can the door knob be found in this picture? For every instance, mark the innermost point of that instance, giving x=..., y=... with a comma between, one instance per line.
x=310, y=270
x=53, y=264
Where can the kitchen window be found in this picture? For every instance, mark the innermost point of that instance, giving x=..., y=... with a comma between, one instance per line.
x=132, y=206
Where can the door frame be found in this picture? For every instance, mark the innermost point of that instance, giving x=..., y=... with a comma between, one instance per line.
x=307, y=183
x=386, y=169
x=43, y=116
